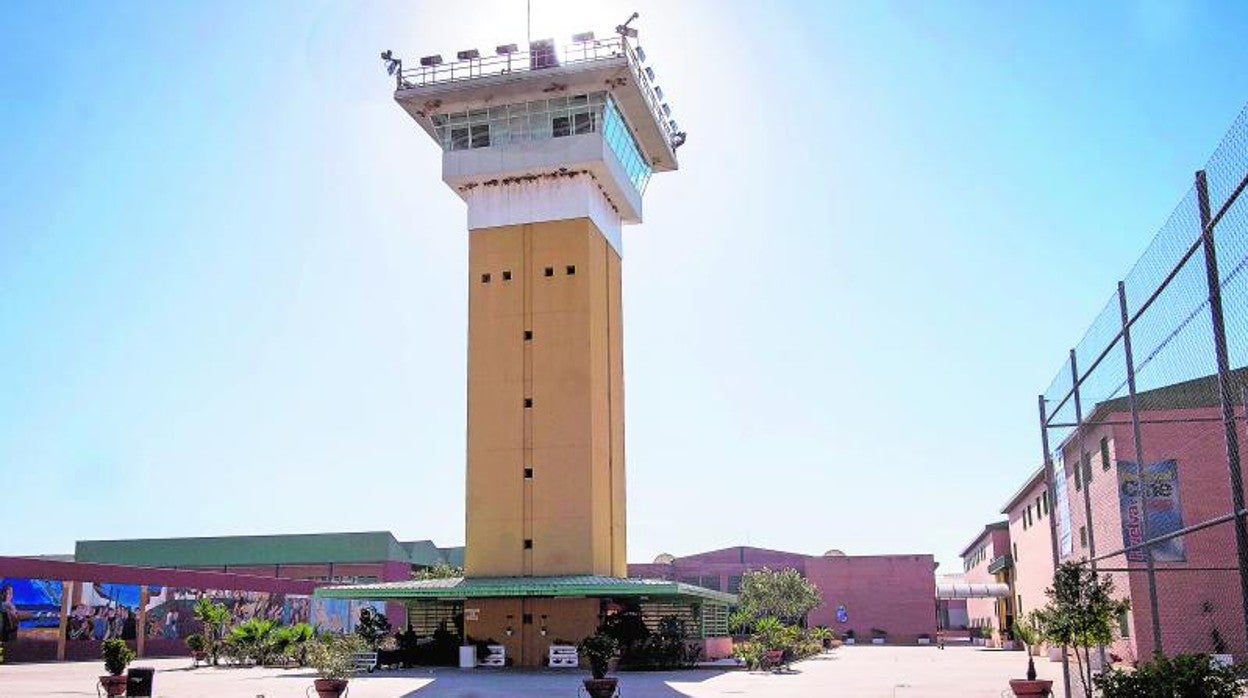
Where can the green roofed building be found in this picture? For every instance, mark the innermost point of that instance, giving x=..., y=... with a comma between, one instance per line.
x=350, y=558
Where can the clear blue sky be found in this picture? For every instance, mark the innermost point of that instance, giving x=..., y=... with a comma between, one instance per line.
x=233, y=294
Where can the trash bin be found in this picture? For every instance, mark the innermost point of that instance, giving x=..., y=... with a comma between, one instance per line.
x=139, y=681
x=467, y=656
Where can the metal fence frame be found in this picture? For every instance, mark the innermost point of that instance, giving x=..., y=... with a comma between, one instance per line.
x=1049, y=408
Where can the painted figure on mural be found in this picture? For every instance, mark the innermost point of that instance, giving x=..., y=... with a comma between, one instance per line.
x=10, y=616
x=842, y=615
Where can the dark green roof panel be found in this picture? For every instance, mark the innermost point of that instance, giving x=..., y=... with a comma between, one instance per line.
x=373, y=546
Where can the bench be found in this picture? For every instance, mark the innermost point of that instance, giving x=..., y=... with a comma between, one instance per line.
x=563, y=657
x=366, y=661
x=496, y=658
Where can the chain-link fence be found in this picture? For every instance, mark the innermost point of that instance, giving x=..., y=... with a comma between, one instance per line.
x=1144, y=429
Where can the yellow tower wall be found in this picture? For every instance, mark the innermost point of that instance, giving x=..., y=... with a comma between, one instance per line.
x=572, y=436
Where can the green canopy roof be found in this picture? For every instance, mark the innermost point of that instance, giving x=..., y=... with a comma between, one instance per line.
x=454, y=588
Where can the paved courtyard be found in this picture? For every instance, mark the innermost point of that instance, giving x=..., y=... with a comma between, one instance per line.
x=856, y=672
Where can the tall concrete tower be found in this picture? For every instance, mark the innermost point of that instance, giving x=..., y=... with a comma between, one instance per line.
x=551, y=150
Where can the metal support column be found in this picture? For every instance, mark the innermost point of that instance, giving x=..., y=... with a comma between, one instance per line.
x=1050, y=489
x=1225, y=389
x=1138, y=442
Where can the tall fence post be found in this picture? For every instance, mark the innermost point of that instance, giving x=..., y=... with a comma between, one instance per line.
x=1051, y=491
x=1138, y=442
x=1085, y=473
x=1225, y=390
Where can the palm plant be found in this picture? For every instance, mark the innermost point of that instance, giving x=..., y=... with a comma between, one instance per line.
x=214, y=617
x=1028, y=633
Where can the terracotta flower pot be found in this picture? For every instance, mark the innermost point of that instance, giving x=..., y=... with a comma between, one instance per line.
x=329, y=688
x=1023, y=687
x=601, y=688
x=114, y=685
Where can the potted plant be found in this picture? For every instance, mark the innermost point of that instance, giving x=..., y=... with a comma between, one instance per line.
x=598, y=649
x=878, y=636
x=1028, y=634
x=333, y=657
x=117, y=656
x=198, y=645
x=925, y=638
x=849, y=637
x=1220, y=656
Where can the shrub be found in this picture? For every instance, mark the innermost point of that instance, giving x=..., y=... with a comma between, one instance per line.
x=1178, y=677
x=598, y=649
x=117, y=656
x=333, y=656
x=196, y=642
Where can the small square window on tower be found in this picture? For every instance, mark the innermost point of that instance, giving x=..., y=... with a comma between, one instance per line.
x=528, y=335
x=528, y=543
x=528, y=473
x=528, y=402
x=549, y=271
x=571, y=269
x=506, y=275
x=527, y=619
x=485, y=278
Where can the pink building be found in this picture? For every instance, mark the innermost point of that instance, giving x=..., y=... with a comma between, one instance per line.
x=986, y=561
x=1184, y=446
x=894, y=593
x=1031, y=544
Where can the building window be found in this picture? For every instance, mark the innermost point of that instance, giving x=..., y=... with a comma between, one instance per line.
x=1019, y=608
x=549, y=271
x=528, y=335
x=528, y=402
x=1104, y=453
x=1039, y=511
x=1078, y=478
x=571, y=269
x=1044, y=497
x=485, y=278
x=528, y=473
x=578, y=123
x=1015, y=547
x=506, y=275
x=734, y=584
x=1124, y=623
x=1087, y=469
x=481, y=136
x=526, y=619
x=1083, y=536
x=528, y=543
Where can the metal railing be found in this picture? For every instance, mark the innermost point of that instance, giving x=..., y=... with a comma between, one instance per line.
x=577, y=53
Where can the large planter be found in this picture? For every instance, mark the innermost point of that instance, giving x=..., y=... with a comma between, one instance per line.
x=601, y=688
x=1024, y=687
x=1221, y=660
x=329, y=688
x=113, y=685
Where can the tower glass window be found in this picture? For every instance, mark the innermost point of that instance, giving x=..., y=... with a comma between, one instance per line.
x=542, y=119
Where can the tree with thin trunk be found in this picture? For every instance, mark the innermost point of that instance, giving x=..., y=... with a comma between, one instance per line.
x=1082, y=613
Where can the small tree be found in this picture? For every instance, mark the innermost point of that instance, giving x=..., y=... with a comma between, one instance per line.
x=373, y=626
x=1082, y=613
x=783, y=594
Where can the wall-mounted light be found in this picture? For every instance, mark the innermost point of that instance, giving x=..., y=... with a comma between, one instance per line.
x=468, y=54
x=430, y=61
